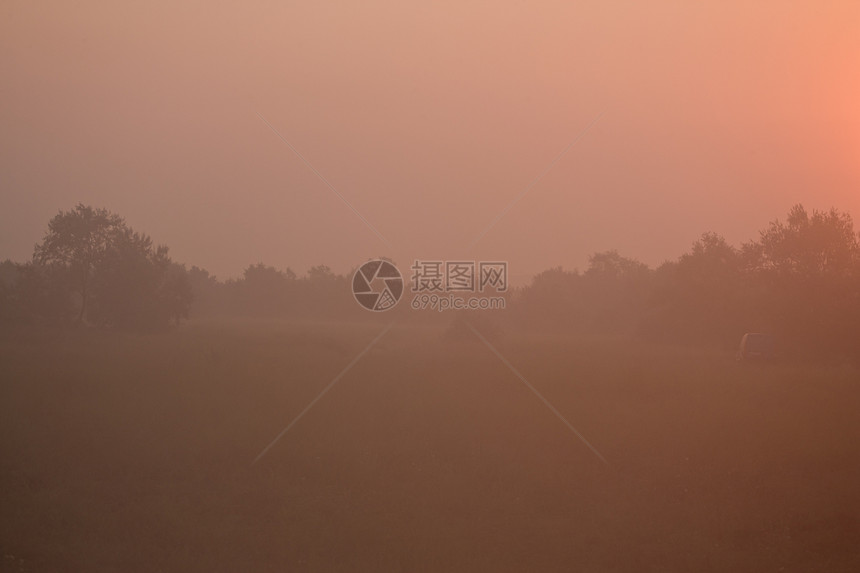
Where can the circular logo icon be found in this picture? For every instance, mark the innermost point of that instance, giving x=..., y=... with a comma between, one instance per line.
x=377, y=285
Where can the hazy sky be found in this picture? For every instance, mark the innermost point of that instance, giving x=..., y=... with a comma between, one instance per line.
x=429, y=119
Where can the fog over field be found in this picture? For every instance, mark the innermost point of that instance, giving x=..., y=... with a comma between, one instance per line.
x=469, y=286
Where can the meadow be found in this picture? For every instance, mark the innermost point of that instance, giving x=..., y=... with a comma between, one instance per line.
x=128, y=452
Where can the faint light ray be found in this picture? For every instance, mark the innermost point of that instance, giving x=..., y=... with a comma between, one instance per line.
x=322, y=393
x=535, y=181
x=538, y=394
x=324, y=180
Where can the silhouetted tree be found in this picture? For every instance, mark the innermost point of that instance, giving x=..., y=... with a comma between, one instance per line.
x=700, y=297
x=34, y=293
x=208, y=294
x=807, y=247
x=550, y=299
x=136, y=286
x=264, y=290
x=616, y=289
x=77, y=241
x=320, y=273
x=607, y=297
x=800, y=281
x=175, y=294
x=120, y=278
x=809, y=270
x=611, y=265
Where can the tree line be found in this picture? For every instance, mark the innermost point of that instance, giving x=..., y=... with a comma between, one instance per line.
x=92, y=269
x=800, y=281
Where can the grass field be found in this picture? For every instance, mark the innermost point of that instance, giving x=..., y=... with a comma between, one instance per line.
x=133, y=453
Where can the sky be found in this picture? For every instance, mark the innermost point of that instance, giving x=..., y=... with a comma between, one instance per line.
x=444, y=128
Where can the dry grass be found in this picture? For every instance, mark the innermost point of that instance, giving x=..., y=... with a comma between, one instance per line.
x=133, y=453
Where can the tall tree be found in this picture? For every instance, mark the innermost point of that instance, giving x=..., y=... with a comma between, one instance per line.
x=702, y=294
x=122, y=279
x=78, y=241
x=810, y=268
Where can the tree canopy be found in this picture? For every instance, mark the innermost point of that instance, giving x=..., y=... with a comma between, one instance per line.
x=92, y=268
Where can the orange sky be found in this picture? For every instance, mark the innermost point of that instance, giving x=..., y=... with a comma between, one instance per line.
x=430, y=120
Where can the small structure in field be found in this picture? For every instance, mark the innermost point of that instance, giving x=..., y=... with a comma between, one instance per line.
x=755, y=346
